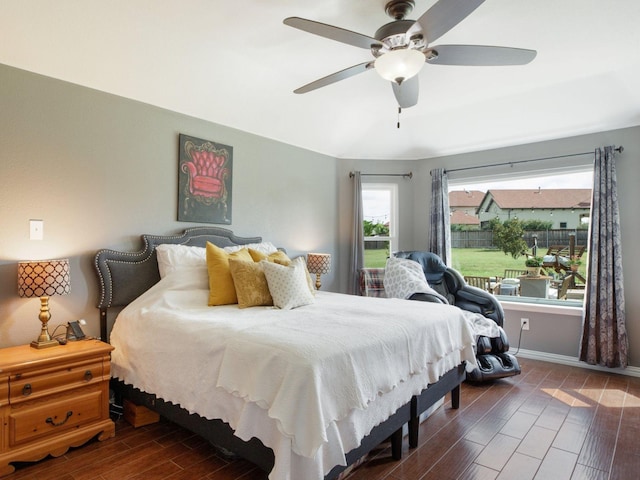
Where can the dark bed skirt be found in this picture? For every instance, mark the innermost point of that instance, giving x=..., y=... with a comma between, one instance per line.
x=221, y=435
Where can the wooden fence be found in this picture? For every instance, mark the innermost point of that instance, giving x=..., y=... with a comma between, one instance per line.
x=545, y=238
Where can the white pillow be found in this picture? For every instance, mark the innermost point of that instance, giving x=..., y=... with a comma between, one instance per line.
x=263, y=247
x=288, y=284
x=173, y=258
x=404, y=277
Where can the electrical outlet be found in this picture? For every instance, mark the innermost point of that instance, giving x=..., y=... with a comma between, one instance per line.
x=524, y=323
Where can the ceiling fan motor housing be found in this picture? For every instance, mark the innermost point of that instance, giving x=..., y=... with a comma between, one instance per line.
x=394, y=35
x=399, y=9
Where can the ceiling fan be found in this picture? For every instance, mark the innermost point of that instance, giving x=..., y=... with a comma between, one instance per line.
x=401, y=47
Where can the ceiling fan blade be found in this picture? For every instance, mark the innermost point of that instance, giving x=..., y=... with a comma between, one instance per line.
x=335, y=77
x=442, y=17
x=481, y=55
x=407, y=92
x=333, y=33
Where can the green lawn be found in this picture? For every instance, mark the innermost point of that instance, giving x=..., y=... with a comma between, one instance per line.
x=376, y=258
x=484, y=262
x=468, y=261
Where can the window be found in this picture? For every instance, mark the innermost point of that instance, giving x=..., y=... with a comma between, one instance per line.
x=537, y=214
x=379, y=209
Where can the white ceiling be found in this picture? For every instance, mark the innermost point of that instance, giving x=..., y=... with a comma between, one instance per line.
x=235, y=63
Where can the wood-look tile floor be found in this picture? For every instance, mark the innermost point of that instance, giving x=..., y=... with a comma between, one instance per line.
x=552, y=422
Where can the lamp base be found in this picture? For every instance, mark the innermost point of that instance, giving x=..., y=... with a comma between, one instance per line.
x=44, y=340
x=44, y=343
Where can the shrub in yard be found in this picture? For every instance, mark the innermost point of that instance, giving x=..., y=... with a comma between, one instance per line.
x=507, y=237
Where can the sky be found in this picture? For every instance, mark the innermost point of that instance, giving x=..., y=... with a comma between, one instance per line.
x=375, y=205
x=376, y=202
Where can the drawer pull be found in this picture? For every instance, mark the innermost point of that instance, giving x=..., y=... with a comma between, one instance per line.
x=88, y=375
x=26, y=390
x=52, y=422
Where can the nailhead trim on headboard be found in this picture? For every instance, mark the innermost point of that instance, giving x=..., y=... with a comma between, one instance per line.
x=123, y=276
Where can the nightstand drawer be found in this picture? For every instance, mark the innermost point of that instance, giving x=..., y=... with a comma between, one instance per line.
x=32, y=385
x=55, y=415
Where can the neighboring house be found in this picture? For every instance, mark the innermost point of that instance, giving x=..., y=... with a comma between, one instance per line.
x=468, y=220
x=463, y=206
x=565, y=207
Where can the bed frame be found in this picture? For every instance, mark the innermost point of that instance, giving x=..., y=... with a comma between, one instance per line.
x=123, y=276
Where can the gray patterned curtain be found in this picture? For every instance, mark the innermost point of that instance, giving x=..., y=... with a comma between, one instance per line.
x=604, y=336
x=357, y=237
x=440, y=230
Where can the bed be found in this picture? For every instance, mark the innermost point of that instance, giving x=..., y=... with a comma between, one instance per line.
x=298, y=392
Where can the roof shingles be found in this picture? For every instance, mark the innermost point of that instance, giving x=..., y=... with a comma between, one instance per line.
x=465, y=198
x=541, y=198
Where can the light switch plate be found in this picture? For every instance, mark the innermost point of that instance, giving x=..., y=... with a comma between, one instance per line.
x=36, y=229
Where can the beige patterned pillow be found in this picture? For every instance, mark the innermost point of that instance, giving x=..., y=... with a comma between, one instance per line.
x=251, y=284
x=288, y=284
x=282, y=259
x=303, y=263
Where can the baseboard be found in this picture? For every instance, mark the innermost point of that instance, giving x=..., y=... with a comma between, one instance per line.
x=574, y=362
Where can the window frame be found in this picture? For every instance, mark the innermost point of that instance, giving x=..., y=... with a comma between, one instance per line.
x=392, y=238
x=468, y=179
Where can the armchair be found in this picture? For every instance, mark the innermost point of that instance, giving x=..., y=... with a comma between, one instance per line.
x=207, y=175
x=493, y=360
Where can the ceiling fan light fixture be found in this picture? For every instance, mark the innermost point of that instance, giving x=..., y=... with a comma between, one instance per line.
x=400, y=64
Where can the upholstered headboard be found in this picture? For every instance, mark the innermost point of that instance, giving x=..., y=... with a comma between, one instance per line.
x=123, y=276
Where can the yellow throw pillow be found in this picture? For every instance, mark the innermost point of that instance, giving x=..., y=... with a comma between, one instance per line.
x=251, y=285
x=278, y=257
x=222, y=291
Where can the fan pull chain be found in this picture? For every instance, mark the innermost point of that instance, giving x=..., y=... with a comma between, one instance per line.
x=399, y=112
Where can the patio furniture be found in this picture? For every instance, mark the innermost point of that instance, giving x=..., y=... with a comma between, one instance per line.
x=484, y=283
x=514, y=273
x=509, y=286
x=558, y=256
x=536, y=287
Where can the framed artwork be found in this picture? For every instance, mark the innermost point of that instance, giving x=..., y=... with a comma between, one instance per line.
x=204, y=181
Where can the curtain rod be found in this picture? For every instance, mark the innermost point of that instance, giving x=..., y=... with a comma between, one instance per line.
x=410, y=174
x=619, y=149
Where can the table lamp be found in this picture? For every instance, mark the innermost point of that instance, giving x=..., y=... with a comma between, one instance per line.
x=318, y=263
x=43, y=279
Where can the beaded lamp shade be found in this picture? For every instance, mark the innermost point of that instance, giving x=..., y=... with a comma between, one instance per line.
x=43, y=279
x=318, y=263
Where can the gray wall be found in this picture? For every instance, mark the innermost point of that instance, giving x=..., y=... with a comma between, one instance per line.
x=100, y=170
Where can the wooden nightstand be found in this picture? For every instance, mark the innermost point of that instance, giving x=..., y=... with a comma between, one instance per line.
x=52, y=399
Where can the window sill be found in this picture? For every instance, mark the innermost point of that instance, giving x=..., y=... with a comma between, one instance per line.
x=567, y=308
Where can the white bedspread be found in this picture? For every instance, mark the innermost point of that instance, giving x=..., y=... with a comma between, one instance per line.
x=313, y=380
